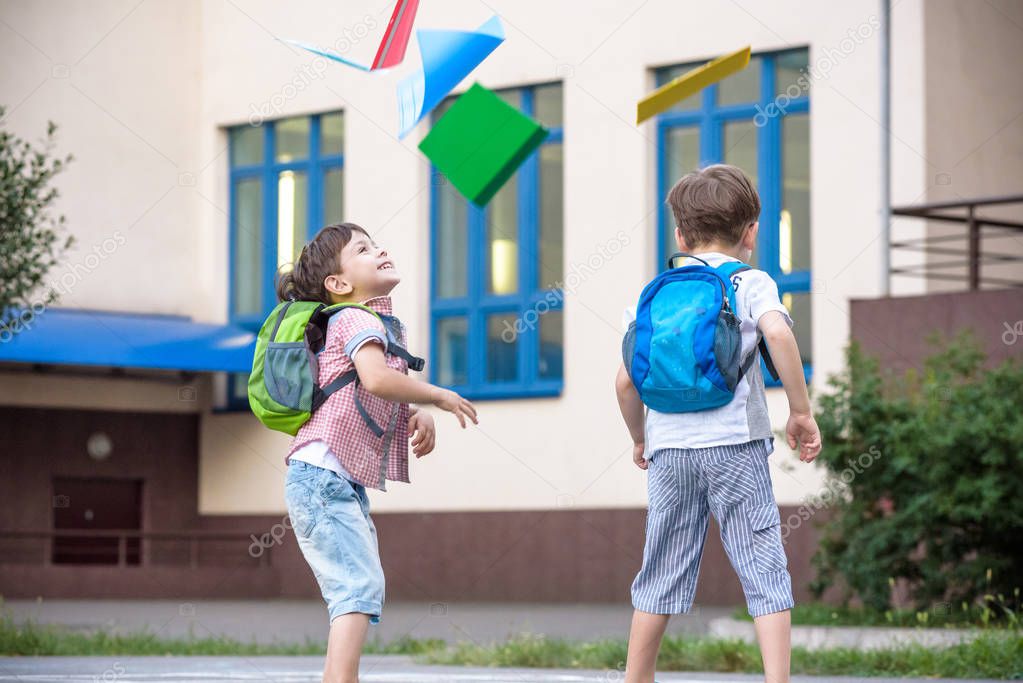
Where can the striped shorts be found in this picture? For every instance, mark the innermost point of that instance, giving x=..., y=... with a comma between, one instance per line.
x=733, y=483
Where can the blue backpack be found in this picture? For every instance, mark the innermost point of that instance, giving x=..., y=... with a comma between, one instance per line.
x=683, y=349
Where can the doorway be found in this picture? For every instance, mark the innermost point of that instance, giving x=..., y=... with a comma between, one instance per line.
x=84, y=504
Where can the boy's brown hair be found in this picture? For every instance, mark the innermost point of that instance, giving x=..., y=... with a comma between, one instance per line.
x=319, y=258
x=714, y=204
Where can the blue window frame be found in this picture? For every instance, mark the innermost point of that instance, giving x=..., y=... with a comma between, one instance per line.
x=496, y=273
x=757, y=119
x=286, y=182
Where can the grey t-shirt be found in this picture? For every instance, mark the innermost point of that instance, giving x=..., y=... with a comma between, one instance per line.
x=745, y=418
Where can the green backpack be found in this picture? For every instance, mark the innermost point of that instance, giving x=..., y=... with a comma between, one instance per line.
x=284, y=390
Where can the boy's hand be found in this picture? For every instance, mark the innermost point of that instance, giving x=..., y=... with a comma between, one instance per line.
x=637, y=455
x=802, y=429
x=445, y=399
x=420, y=426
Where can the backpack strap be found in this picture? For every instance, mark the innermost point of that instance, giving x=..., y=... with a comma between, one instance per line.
x=280, y=318
x=671, y=259
x=414, y=362
x=321, y=395
x=727, y=270
x=748, y=363
x=370, y=422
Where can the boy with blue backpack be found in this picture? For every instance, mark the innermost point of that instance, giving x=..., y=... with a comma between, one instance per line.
x=692, y=395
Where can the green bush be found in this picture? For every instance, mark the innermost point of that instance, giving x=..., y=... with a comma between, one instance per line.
x=932, y=470
x=30, y=235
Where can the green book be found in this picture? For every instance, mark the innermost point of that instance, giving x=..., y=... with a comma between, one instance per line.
x=480, y=142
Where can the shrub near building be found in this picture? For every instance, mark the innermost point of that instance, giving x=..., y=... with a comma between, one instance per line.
x=941, y=510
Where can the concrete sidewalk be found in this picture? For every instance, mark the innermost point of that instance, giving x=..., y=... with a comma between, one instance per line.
x=375, y=669
x=295, y=621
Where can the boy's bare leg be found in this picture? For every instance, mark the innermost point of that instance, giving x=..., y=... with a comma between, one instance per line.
x=344, y=647
x=644, y=644
x=774, y=635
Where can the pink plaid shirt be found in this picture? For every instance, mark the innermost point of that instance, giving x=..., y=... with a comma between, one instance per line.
x=369, y=459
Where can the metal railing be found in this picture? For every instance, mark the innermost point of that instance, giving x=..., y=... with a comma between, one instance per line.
x=132, y=547
x=979, y=231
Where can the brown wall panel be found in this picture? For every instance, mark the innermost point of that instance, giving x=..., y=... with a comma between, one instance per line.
x=895, y=329
x=563, y=555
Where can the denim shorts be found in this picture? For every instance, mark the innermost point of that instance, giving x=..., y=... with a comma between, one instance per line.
x=330, y=517
x=684, y=487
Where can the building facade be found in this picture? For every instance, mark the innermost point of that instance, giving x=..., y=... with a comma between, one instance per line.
x=207, y=151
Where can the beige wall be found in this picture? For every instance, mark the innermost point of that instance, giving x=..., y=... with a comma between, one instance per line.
x=571, y=450
x=96, y=389
x=166, y=78
x=911, y=174
x=974, y=100
x=120, y=80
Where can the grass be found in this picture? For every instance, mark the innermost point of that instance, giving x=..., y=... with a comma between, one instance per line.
x=32, y=639
x=993, y=613
x=992, y=655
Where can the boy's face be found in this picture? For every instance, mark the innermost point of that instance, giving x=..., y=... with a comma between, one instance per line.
x=366, y=271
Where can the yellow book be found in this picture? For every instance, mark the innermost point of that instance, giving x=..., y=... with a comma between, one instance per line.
x=691, y=82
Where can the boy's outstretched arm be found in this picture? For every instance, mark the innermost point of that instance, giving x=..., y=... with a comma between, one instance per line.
x=632, y=411
x=384, y=381
x=801, y=428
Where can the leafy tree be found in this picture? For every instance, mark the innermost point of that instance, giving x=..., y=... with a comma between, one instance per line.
x=940, y=507
x=30, y=240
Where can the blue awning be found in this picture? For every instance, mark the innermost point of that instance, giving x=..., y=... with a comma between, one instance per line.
x=65, y=336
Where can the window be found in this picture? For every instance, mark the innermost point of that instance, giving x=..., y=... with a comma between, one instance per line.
x=759, y=120
x=495, y=290
x=287, y=180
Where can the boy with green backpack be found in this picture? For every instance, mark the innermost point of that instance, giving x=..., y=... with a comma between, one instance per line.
x=330, y=368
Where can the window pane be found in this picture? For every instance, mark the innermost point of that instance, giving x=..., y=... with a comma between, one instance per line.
x=333, y=195
x=332, y=134
x=740, y=149
x=512, y=97
x=799, y=309
x=503, y=239
x=502, y=343
x=452, y=351
x=789, y=66
x=246, y=146
x=681, y=155
x=552, y=342
x=551, y=254
x=240, y=386
x=547, y=105
x=292, y=137
x=666, y=76
x=740, y=146
x=794, y=223
x=292, y=227
x=452, y=235
x=742, y=87
x=248, y=246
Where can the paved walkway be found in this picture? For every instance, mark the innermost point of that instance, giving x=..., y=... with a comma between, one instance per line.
x=294, y=621
x=309, y=670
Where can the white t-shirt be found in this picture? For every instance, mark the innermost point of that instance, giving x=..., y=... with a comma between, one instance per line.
x=318, y=453
x=745, y=418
